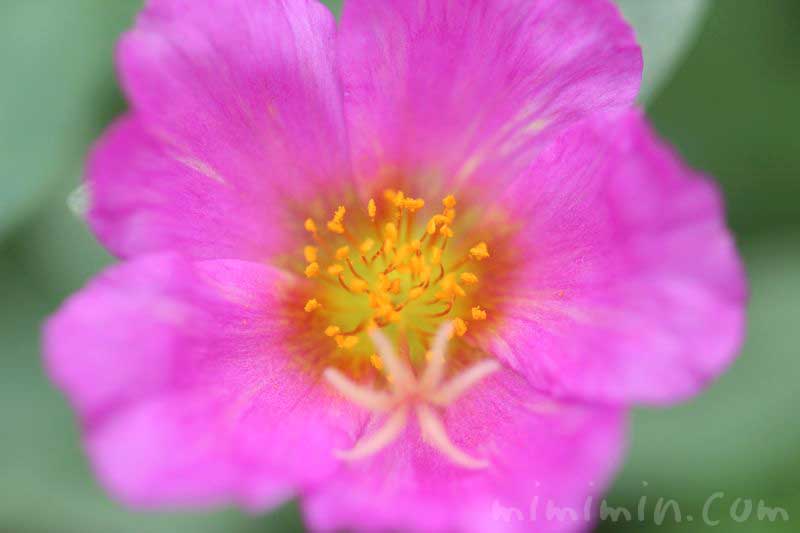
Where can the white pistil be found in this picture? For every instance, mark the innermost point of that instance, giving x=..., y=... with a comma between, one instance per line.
x=409, y=392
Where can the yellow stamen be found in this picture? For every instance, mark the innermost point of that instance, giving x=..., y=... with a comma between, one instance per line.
x=366, y=246
x=310, y=225
x=469, y=278
x=394, y=288
x=342, y=252
x=415, y=293
x=390, y=232
x=430, y=228
x=336, y=223
x=346, y=342
x=391, y=277
x=414, y=204
x=479, y=252
x=312, y=305
x=312, y=270
x=478, y=313
x=358, y=286
x=310, y=253
x=460, y=327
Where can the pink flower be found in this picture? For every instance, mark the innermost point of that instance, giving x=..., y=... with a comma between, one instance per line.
x=274, y=194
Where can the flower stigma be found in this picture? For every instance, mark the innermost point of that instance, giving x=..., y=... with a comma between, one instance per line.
x=408, y=393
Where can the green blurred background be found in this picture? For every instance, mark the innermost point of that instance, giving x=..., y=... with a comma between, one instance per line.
x=722, y=83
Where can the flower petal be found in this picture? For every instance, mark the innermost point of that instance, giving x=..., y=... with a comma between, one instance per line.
x=185, y=391
x=536, y=453
x=237, y=119
x=630, y=288
x=472, y=88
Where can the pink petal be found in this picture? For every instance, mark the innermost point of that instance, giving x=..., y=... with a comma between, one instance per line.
x=187, y=396
x=536, y=452
x=630, y=287
x=472, y=88
x=237, y=120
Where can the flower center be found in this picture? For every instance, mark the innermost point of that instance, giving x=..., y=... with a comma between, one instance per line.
x=385, y=266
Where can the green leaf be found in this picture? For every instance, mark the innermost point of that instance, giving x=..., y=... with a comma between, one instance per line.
x=665, y=30
x=334, y=5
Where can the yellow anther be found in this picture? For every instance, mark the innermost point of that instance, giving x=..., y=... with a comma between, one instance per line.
x=479, y=252
x=414, y=204
x=446, y=231
x=425, y=273
x=469, y=278
x=399, y=199
x=436, y=256
x=346, y=342
x=450, y=288
x=449, y=201
x=478, y=313
x=373, y=300
x=332, y=331
x=359, y=286
x=338, y=215
x=415, y=245
x=366, y=246
x=342, y=253
x=450, y=214
x=376, y=361
x=389, y=194
x=335, y=270
x=385, y=309
x=312, y=270
x=402, y=254
x=336, y=227
x=460, y=327
x=310, y=253
x=415, y=264
x=415, y=293
x=430, y=228
x=310, y=225
x=336, y=223
x=372, y=209
x=312, y=305
x=394, y=288
x=390, y=232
